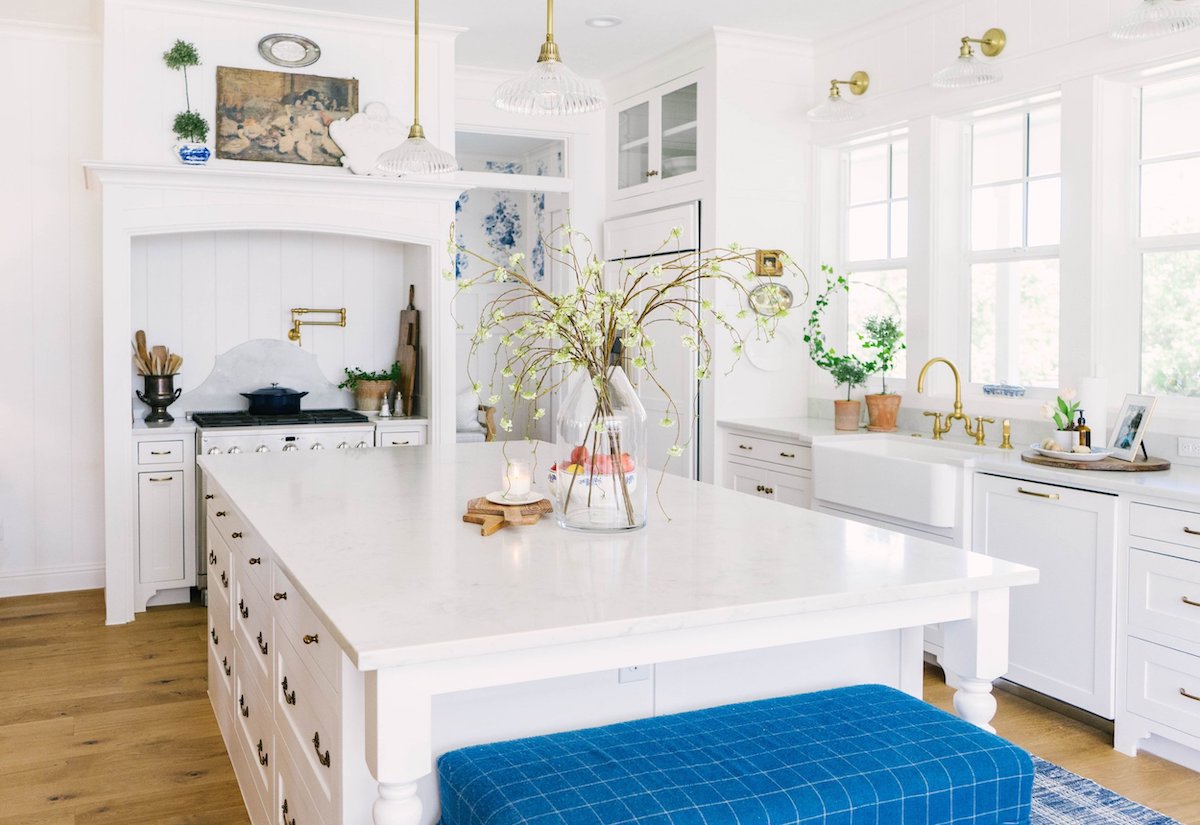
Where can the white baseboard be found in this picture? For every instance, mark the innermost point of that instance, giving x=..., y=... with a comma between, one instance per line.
x=53, y=580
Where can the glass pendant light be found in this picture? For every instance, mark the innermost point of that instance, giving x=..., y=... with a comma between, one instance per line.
x=1157, y=18
x=968, y=70
x=549, y=88
x=835, y=108
x=416, y=155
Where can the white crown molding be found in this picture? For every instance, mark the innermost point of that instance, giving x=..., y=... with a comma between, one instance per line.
x=799, y=47
x=36, y=30
x=851, y=37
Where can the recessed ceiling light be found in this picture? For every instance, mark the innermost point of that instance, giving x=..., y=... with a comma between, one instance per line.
x=604, y=22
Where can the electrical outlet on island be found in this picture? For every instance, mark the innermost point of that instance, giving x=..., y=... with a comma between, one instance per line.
x=637, y=673
x=1189, y=447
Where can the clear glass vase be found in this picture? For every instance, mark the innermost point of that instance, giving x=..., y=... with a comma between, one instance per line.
x=600, y=477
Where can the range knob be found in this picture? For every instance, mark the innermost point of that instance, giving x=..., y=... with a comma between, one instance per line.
x=262, y=448
x=235, y=450
x=214, y=450
x=317, y=446
x=343, y=446
x=360, y=445
x=288, y=448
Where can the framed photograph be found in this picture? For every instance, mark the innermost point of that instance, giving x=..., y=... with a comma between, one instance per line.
x=768, y=263
x=280, y=116
x=1131, y=425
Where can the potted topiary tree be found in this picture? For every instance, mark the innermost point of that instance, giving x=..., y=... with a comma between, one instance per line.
x=882, y=337
x=190, y=128
x=845, y=368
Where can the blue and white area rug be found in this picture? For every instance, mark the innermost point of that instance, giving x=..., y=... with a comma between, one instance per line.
x=1063, y=798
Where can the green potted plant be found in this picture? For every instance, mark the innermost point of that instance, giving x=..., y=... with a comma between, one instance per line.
x=845, y=368
x=370, y=388
x=190, y=128
x=881, y=335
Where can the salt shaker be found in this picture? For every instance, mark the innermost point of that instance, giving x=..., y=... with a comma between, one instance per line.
x=384, y=410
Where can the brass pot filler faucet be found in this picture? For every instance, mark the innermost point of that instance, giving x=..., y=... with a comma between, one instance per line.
x=941, y=427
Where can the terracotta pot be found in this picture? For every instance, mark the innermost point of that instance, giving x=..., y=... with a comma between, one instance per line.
x=881, y=410
x=368, y=395
x=846, y=414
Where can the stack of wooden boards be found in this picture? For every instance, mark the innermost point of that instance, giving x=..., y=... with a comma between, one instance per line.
x=491, y=517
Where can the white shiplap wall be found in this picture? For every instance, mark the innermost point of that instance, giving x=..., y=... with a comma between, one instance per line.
x=202, y=294
x=51, y=500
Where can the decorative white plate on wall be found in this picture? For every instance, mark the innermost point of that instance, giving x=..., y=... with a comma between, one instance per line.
x=367, y=135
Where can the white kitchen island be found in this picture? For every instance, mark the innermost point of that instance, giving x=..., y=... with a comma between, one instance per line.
x=354, y=595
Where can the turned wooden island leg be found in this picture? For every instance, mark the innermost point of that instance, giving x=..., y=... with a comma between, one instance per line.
x=399, y=744
x=976, y=652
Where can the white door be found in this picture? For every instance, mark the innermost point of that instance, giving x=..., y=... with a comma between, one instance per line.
x=160, y=526
x=633, y=242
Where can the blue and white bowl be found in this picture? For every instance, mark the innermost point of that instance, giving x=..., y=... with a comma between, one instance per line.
x=193, y=154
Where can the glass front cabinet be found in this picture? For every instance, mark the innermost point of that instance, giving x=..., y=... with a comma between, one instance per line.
x=657, y=137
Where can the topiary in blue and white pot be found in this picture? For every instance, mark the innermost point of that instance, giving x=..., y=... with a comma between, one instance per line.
x=192, y=154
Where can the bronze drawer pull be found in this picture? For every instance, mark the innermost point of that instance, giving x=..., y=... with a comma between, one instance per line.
x=286, y=821
x=1188, y=601
x=213, y=632
x=224, y=579
x=236, y=535
x=208, y=496
x=324, y=760
x=221, y=514
x=1191, y=532
x=313, y=639
x=1183, y=692
x=225, y=664
x=245, y=611
x=212, y=557
x=787, y=455
x=160, y=452
x=167, y=478
x=261, y=644
x=289, y=697
x=256, y=560
x=744, y=447
x=1051, y=496
x=242, y=705
x=281, y=596
x=263, y=758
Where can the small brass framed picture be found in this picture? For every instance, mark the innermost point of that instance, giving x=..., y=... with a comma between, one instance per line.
x=768, y=263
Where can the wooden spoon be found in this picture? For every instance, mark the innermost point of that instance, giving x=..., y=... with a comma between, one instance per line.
x=140, y=338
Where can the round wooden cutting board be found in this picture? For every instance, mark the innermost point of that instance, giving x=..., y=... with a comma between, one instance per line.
x=1111, y=465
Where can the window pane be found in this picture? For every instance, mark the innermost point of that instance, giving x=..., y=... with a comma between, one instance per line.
x=877, y=293
x=1170, y=204
x=900, y=229
x=869, y=174
x=996, y=217
x=900, y=169
x=1171, y=118
x=1045, y=142
x=867, y=233
x=1170, y=307
x=1015, y=322
x=998, y=149
x=1045, y=212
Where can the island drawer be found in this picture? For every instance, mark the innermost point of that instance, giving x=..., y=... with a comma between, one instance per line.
x=292, y=802
x=253, y=632
x=317, y=648
x=253, y=561
x=160, y=452
x=227, y=522
x=775, y=452
x=1165, y=524
x=1164, y=685
x=1164, y=595
x=220, y=667
x=219, y=580
x=253, y=723
x=307, y=721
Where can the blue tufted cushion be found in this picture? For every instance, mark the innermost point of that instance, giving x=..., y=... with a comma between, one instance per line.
x=856, y=755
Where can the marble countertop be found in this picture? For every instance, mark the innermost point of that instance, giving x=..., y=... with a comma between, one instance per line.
x=375, y=540
x=1181, y=483
x=180, y=426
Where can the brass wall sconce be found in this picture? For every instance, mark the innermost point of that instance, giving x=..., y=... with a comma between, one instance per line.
x=967, y=70
x=299, y=312
x=837, y=108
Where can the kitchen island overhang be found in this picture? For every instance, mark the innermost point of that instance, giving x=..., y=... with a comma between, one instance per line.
x=423, y=605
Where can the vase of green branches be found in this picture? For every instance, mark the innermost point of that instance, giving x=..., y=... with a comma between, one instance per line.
x=597, y=337
x=191, y=130
x=845, y=368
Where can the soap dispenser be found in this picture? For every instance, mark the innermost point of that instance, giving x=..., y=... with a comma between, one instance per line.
x=1085, y=432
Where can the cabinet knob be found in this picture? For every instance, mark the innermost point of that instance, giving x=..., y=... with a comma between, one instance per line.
x=263, y=757
x=653, y=173
x=769, y=491
x=225, y=664
x=281, y=596
x=323, y=759
x=286, y=821
x=213, y=632
x=312, y=640
x=224, y=579
x=236, y=535
x=261, y=644
x=245, y=611
x=242, y=705
x=290, y=698
x=221, y=514
x=208, y=496
x=212, y=558
x=256, y=560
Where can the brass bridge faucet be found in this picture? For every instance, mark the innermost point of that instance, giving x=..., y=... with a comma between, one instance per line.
x=941, y=427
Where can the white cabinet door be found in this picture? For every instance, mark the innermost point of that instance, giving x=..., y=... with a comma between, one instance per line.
x=746, y=478
x=160, y=526
x=1062, y=630
x=657, y=138
x=793, y=490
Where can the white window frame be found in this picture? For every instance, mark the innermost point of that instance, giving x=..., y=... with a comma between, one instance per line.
x=1002, y=256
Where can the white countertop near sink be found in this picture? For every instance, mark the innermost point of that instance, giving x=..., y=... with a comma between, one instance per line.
x=1181, y=483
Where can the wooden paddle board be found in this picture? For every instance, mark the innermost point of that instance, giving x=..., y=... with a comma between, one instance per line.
x=407, y=351
x=1111, y=465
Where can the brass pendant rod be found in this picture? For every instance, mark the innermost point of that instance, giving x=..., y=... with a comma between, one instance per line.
x=549, y=21
x=417, y=64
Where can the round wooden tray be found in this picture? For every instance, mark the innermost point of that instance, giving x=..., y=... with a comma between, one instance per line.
x=1111, y=465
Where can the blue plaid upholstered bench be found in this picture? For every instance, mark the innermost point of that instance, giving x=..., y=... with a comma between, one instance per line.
x=856, y=755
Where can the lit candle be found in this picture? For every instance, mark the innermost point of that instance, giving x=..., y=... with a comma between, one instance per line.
x=518, y=479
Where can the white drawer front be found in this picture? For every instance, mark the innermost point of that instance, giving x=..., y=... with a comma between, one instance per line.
x=252, y=623
x=1165, y=524
x=402, y=438
x=252, y=561
x=220, y=580
x=1164, y=595
x=775, y=452
x=253, y=716
x=220, y=690
x=160, y=452
x=307, y=717
x=315, y=644
x=293, y=803
x=1164, y=685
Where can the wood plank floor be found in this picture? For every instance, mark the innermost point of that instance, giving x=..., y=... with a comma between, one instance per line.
x=112, y=725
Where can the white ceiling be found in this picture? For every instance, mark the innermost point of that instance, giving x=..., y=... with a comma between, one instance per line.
x=506, y=34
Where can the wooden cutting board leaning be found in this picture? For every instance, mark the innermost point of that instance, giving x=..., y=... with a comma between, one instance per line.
x=406, y=353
